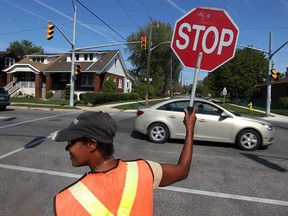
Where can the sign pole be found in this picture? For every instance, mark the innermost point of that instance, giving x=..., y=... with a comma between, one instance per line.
x=194, y=86
x=224, y=92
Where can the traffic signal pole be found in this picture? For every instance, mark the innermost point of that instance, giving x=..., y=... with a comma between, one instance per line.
x=268, y=98
x=270, y=55
x=72, y=78
x=148, y=66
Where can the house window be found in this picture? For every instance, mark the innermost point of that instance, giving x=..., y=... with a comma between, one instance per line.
x=87, y=80
x=77, y=57
x=91, y=57
x=85, y=57
x=38, y=59
x=63, y=78
x=120, y=83
x=9, y=61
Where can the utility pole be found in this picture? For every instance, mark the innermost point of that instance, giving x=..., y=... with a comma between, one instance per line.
x=72, y=79
x=148, y=65
x=171, y=78
x=268, y=98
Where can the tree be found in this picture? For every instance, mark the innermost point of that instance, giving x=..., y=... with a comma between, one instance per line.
x=160, y=57
x=24, y=47
x=242, y=75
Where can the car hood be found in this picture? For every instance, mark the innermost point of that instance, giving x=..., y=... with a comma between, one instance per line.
x=254, y=119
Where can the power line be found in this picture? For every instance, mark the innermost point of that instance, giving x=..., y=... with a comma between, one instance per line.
x=28, y=30
x=146, y=10
x=128, y=14
x=279, y=27
x=101, y=20
x=94, y=23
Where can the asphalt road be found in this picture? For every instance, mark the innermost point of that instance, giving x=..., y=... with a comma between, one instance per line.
x=223, y=180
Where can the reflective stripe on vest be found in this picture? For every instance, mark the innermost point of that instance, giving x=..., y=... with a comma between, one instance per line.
x=131, y=184
x=92, y=205
x=87, y=199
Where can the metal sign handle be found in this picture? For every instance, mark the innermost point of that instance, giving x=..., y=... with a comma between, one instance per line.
x=194, y=86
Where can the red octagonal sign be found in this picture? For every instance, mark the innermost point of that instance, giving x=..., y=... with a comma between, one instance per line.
x=210, y=31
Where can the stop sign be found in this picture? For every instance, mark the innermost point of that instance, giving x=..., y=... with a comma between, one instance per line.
x=206, y=30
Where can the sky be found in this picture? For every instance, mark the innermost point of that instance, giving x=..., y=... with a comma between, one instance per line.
x=112, y=21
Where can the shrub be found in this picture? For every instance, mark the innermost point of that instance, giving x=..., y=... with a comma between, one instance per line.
x=67, y=92
x=140, y=89
x=284, y=100
x=106, y=97
x=48, y=94
x=109, y=85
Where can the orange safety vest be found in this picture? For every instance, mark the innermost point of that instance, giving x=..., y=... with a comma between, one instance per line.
x=124, y=190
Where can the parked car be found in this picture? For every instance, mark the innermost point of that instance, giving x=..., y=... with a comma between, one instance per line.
x=4, y=99
x=214, y=123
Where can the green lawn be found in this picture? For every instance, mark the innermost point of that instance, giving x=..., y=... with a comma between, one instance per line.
x=43, y=101
x=243, y=111
x=137, y=104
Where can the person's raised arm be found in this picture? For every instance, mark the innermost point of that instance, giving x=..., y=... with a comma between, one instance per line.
x=176, y=172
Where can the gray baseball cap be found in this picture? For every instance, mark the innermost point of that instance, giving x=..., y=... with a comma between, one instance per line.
x=95, y=125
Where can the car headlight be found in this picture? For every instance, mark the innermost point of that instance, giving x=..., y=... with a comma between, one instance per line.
x=269, y=127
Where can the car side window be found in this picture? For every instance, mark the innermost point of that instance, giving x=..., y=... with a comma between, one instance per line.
x=177, y=106
x=208, y=109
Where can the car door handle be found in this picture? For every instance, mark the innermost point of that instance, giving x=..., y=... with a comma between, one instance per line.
x=202, y=120
x=172, y=116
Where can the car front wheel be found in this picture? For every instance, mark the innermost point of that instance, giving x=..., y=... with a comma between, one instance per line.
x=249, y=140
x=158, y=133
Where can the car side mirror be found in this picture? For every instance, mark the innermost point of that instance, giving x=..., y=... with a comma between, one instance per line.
x=225, y=115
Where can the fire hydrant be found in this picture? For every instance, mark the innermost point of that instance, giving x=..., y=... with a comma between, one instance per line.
x=250, y=106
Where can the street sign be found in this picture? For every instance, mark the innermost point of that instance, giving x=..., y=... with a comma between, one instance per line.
x=224, y=91
x=206, y=30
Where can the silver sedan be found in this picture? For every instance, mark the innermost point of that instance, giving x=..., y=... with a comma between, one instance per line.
x=214, y=123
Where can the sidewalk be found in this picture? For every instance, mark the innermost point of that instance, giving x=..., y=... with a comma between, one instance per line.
x=277, y=118
x=109, y=107
x=272, y=117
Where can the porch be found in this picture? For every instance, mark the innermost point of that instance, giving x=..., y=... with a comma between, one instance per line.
x=24, y=88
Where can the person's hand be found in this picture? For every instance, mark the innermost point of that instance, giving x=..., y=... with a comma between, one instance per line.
x=190, y=119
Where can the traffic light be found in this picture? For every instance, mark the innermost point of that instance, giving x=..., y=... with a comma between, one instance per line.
x=50, y=31
x=143, y=42
x=77, y=69
x=274, y=74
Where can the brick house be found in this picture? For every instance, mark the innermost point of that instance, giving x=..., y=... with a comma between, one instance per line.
x=7, y=58
x=279, y=89
x=52, y=72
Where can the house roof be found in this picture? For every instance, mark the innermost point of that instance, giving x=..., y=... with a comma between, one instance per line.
x=37, y=65
x=61, y=65
x=281, y=81
x=9, y=54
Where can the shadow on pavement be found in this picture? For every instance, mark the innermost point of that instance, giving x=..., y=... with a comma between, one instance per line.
x=261, y=160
